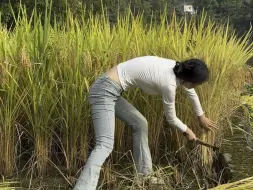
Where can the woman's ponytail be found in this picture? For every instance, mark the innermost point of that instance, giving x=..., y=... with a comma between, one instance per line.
x=193, y=70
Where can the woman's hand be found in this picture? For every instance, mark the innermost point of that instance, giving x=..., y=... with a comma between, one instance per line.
x=207, y=123
x=190, y=135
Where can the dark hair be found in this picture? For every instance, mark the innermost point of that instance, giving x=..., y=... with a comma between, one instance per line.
x=192, y=70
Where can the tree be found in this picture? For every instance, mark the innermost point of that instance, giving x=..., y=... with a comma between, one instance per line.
x=237, y=11
x=209, y=6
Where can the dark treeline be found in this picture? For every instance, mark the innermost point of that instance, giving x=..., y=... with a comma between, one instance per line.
x=239, y=12
x=149, y=8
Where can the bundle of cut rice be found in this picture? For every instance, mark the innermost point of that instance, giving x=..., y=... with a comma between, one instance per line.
x=242, y=184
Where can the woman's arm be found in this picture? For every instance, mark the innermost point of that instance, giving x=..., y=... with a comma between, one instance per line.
x=194, y=99
x=204, y=121
x=168, y=96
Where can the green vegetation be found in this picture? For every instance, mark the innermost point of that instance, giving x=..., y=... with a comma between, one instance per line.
x=239, y=12
x=47, y=66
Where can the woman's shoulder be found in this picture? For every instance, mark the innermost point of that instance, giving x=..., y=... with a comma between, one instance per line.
x=152, y=59
x=155, y=57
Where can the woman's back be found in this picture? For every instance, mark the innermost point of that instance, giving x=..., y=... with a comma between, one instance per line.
x=150, y=73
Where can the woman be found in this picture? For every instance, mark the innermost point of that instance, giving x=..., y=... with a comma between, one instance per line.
x=154, y=75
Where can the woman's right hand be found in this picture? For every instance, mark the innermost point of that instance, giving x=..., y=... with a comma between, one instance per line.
x=190, y=135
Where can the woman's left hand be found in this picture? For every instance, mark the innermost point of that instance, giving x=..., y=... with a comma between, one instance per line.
x=207, y=123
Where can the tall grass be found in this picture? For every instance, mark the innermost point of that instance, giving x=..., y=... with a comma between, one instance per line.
x=46, y=71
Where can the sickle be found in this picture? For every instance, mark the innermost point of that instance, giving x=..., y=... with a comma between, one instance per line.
x=207, y=145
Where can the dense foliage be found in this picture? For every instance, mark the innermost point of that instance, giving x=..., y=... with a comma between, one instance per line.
x=239, y=12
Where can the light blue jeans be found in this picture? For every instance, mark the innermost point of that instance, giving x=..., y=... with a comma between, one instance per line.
x=106, y=103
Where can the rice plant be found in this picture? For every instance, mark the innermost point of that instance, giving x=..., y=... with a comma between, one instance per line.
x=46, y=70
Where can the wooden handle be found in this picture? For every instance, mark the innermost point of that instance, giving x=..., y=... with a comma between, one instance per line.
x=204, y=143
x=207, y=145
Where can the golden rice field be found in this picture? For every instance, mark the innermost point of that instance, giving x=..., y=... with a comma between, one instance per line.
x=46, y=70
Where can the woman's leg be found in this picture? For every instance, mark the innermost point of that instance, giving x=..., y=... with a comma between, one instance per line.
x=141, y=153
x=103, y=115
x=104, y=122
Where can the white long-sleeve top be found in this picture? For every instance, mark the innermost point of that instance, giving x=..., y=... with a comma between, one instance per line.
x=155, y=75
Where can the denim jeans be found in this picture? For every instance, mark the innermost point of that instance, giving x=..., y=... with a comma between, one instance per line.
x=106, y=103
